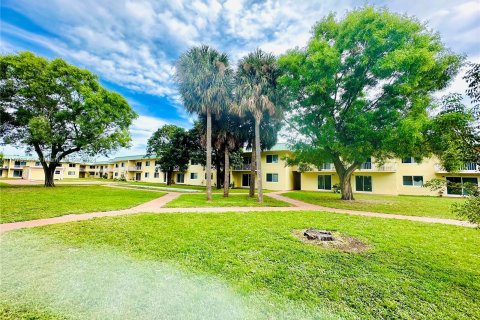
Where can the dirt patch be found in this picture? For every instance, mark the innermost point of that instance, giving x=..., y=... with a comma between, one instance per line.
x=340, y=242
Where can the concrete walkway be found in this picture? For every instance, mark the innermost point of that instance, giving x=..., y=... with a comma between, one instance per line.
x=156, y=206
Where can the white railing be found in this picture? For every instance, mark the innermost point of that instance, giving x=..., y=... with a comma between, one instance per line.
x=370, y=166
x=136, y=168
x=470, y=167
x=242, y=167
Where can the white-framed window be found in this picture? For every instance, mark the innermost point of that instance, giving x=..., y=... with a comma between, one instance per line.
x=147, y=163
x=193, y=175
x=116, y=174
x=17, y=173
x=409, y=160
x=363, y=183
x=324, y=182
x=272, y=158
x=57, y=171
x=71, y=165
x=116, y=165
x=455, y=185
x=272, y=177
x=38, y=164
x=92, y=167
x=367, y=165
x=123, y=164
x=147, y=174
x=416, y=181
x=71, y=173
x=180, y=178
x=156, y=174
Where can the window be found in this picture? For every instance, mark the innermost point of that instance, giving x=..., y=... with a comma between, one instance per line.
x=71, y=165
x=272, y=177
x=416, y=181
x=156, y=175
x=17, y=173
x=38, y=164
x=116, y=174
x=455, y=185
x=324, y=182
x=326, y=166
x=157, y=162
x=409, y=160
x=57, y=171
x=116, y=165
x=147, y=163
x=71, y=173
x=92, y=167
x=147, y=174
x=246, y=180
x=123, y=164
x=363, y=183
x=180, y=178
x=193, y=175
x=272, y=158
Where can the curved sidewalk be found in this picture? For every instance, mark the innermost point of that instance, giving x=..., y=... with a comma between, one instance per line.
x=156, y=206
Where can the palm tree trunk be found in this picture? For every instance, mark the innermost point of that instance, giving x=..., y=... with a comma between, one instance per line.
x=226, y=170
x=209, y=155
x=253, y=170
x=258, y=159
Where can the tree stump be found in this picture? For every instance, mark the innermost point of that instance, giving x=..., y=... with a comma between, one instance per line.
x=321, y=235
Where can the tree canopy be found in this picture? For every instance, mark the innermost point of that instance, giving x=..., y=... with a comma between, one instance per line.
x=58, y=109
x=361, y=89
x=172, y=145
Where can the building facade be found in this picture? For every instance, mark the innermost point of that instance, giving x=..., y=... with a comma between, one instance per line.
x=396, y=177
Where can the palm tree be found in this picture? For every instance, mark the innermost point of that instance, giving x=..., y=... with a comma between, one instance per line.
x=256, y=91
x=205, y=81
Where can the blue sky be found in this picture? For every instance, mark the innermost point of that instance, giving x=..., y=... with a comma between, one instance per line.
x=133, y=44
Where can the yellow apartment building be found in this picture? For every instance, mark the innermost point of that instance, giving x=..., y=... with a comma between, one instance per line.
x=395, y=177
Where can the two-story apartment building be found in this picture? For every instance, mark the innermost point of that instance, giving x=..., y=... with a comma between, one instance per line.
x=397, y=176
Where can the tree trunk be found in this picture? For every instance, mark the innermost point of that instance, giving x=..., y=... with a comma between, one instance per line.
x=345, y=175
x=346, y=186
x=253, y=170
x=226, y=172
x=169, y=178
x=258, y=160
x=219, y=177
x=209, y=155
x=49, y=174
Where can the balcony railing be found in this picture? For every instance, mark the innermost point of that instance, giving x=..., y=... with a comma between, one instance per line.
x=469, y=167
x=370, y=166
x=136, y=168
x=242, y=167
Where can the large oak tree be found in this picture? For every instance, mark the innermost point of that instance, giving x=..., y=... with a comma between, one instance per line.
x=361, y=89
x=58, y=109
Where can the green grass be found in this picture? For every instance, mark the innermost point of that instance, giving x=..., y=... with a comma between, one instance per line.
x=185, y=186
x=406, y=205
x=240, y=200
x=20, y=202
x=413, y=270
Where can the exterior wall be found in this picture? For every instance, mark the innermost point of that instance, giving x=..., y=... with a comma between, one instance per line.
x=285, y=174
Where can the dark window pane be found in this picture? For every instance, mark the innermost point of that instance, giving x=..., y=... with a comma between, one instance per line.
x=407, y=181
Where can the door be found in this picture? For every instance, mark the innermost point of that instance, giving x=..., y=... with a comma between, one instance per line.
x=246, y=180
x=138, y=176
x=297, y=180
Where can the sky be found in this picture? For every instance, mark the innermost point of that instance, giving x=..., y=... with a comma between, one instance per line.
x=133, y=45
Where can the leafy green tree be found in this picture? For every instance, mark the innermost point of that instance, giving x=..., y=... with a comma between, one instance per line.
x=361, y=89
x=58, y=109
x=257, y=93
x=204, y=79
x=172, y=145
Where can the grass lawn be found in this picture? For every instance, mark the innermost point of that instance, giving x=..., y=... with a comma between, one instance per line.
x=406, y=205
x=28, y=202
x=185, y=186
x=239, y=200
x=412, y=270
